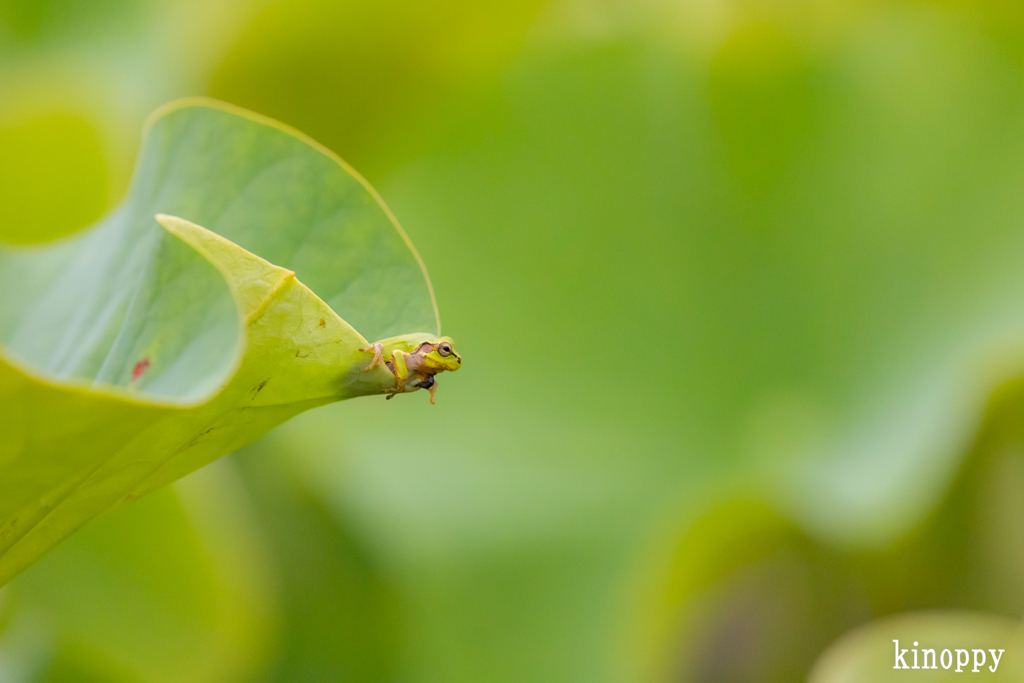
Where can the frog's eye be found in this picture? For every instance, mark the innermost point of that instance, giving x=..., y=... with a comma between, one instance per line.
x=445, y=349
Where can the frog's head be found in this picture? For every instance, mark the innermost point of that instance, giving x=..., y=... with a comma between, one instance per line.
x=443, y=357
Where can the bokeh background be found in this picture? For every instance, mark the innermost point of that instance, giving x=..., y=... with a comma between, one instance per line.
x=740, y=289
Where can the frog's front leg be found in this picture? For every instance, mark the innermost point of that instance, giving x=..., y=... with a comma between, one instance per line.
x=378, y=355
x=401, y=370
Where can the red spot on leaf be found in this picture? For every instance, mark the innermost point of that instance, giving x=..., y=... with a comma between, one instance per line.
x=140, y=368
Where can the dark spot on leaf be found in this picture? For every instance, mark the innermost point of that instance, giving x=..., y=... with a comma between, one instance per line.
x=323, y=323
x=140, y=368
x=260, y=387
x=302, y=354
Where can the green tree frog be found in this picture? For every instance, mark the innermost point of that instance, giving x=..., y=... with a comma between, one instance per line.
x=415, y=360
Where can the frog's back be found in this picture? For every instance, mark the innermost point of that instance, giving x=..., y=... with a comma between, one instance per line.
x=407, y=342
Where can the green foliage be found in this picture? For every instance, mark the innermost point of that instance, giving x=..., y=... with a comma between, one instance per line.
x=195, y=575
x=736, y=278
x=134, y=366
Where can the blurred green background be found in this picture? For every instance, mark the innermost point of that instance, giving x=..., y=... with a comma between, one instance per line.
x=739, y=287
